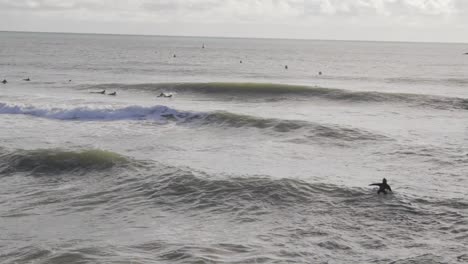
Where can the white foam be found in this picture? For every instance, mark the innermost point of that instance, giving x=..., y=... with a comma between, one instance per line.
x=158, y=112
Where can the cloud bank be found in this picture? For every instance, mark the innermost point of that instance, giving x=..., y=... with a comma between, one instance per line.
x=425, y=20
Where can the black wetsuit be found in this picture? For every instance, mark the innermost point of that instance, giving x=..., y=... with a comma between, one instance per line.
x=383, y=187
x=164, y=95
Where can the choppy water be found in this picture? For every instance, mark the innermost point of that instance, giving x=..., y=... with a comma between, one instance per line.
x=246, y=163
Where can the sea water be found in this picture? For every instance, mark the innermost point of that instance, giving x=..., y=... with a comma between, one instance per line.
x=247, y=162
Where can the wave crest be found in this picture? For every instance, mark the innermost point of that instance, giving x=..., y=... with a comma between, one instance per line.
x=308, y=130
x=100, y=114
x=267, y=90
x=201, y=192
x=43, y=161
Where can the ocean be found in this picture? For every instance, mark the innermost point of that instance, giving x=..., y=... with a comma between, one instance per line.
x=261, y=150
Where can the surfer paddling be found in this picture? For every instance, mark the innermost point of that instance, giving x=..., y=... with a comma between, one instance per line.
x=383, y=187
x=101, y=92
x=164, y=95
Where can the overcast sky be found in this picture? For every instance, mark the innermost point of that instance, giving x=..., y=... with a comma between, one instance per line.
x=400, y=20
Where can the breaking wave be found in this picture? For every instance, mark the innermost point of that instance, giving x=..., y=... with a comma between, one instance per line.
x=310, y=130
x=95, y=114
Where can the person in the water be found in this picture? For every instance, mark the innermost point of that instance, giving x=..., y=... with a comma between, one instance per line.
x=383, y=187
x=27, y=79
x=101, y=92
x=4, y=81
x=164, y=95
x=114, y=93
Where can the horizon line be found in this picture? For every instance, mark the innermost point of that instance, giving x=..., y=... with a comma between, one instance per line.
x=226, y=37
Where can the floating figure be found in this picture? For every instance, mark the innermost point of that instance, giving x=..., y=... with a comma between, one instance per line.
x=114, y=93
x=69, y=80
x=4, y=81
x=101, y=92
x=164, y=95
x=383, y=187
x=240, y=61
x=203, y=46
x=320, y=73
x=27, y=79
x=174, y=56
x=286, y=67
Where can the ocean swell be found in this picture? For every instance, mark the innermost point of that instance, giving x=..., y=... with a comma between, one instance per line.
x=309, y=130
x=179, y=188
x=53, y=161
x=266, y=91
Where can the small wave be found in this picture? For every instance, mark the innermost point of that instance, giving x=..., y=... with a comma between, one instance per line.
x=426, y=258
x=99, y=114
x=414, y=80
x=217, y=118
x=266, y=91
x=310, y=130
x=44, y=161
x=203, y=192
x=248, y=197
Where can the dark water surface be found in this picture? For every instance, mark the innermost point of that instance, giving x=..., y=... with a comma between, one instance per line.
x=245, y=163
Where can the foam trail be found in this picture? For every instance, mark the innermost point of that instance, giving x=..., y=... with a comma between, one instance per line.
x=105, y=114
x=310, y=130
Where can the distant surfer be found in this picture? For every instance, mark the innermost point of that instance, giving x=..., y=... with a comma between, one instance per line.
x=114, y=93
x=174, y=56
x=165, y=95
x=383, y=187
x=286, y=67
x=240, y=61
x=101, y=92
x=4, y=81
x=320, y=73
x=27, y=79
x=203, y=46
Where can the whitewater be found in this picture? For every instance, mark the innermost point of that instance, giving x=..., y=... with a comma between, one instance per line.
x=247, y=162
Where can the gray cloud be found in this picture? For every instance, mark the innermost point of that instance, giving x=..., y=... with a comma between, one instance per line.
x=290, y=17
x=242, y=7
x=171, y=5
